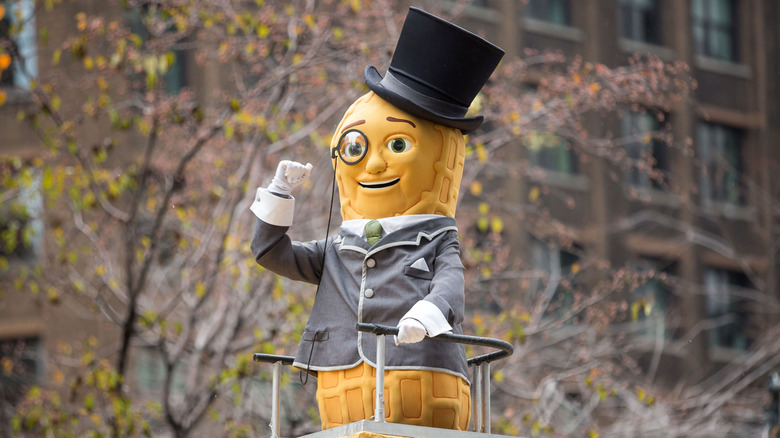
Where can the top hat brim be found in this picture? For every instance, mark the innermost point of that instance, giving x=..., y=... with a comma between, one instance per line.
x=424, y=107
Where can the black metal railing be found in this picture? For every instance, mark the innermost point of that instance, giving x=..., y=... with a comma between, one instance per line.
x=481, y=369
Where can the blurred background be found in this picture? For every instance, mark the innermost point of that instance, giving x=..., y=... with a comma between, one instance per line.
x=619, y=216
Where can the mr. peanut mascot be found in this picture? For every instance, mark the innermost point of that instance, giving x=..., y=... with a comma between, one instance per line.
x=398, y=155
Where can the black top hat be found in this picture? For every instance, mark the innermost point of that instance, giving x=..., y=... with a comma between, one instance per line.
x=436, y=71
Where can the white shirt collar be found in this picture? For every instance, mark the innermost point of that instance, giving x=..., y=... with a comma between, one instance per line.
x=389, y=224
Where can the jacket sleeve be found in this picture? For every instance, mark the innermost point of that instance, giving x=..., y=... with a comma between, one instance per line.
x=447, y=286
x=272, y=247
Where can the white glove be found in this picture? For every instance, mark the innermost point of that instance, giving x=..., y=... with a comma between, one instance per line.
x=410, y=331
x=289, y=175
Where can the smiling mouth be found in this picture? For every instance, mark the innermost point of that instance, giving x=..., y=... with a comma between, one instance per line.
x=379, y=184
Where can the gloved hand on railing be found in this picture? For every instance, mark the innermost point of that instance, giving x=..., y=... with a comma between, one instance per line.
x=410, y=331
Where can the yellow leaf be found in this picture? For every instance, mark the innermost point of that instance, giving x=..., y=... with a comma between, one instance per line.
x=533, y=194
x=5, y=61
x=593, y=434
x=87, y=357
x=484, y=208
x=575, y=268
x=100, y=270
x=481, y=153
x=53, y=295
x=476, y=188
x=594, y=87
x=497, y=225
x=635, y=310
x=309, y=20
x=3, y=97
x=646, y=139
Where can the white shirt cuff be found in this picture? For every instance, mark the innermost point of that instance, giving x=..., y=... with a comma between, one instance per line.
x=430, y=316
x=273, y=209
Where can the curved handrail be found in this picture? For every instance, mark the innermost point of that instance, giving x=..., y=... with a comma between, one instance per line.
x=505, y=348
x=481, y=371
x=273, y=358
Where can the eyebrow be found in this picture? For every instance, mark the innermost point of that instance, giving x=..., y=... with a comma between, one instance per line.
x=359, y=122
x=393, y=119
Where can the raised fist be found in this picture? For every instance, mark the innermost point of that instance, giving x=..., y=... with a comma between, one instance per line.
x=289, y=175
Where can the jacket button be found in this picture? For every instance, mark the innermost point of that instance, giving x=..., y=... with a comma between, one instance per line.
x=370, y=263
x=369, y=293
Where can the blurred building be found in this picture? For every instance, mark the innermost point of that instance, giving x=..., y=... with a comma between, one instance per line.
x=718, y=241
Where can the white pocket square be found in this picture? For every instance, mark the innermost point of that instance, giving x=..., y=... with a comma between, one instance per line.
x=421, y=265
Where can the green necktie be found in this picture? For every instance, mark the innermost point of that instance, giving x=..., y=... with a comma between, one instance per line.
x=373, y=232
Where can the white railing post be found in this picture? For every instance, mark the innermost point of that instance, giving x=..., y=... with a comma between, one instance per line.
x=275, y=394
x=486, y=396
x=478, y=396
x=379, y=409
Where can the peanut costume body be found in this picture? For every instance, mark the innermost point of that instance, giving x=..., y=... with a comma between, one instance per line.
x=398, y=156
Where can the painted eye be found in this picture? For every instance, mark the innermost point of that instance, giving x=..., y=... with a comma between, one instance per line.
x=354, y=150
x=353, y=146
x=399, y=145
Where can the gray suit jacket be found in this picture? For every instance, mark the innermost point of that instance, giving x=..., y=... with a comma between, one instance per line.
x=375, y=285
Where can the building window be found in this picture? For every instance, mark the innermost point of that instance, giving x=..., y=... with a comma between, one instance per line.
x=174, y=77
x=720, y=155
x=150, y=372
x=20, y=369
x=21, y=210
x=651, y=298
x=558, y=267
x=726, y=310
x=640, y=20
x=714, y=28
x=551, y=11
x=17, y=44
x=550, y=152
x=649, y=164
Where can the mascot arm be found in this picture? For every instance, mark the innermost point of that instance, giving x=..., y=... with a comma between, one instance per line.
x=271, y=246
x=443, y=307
